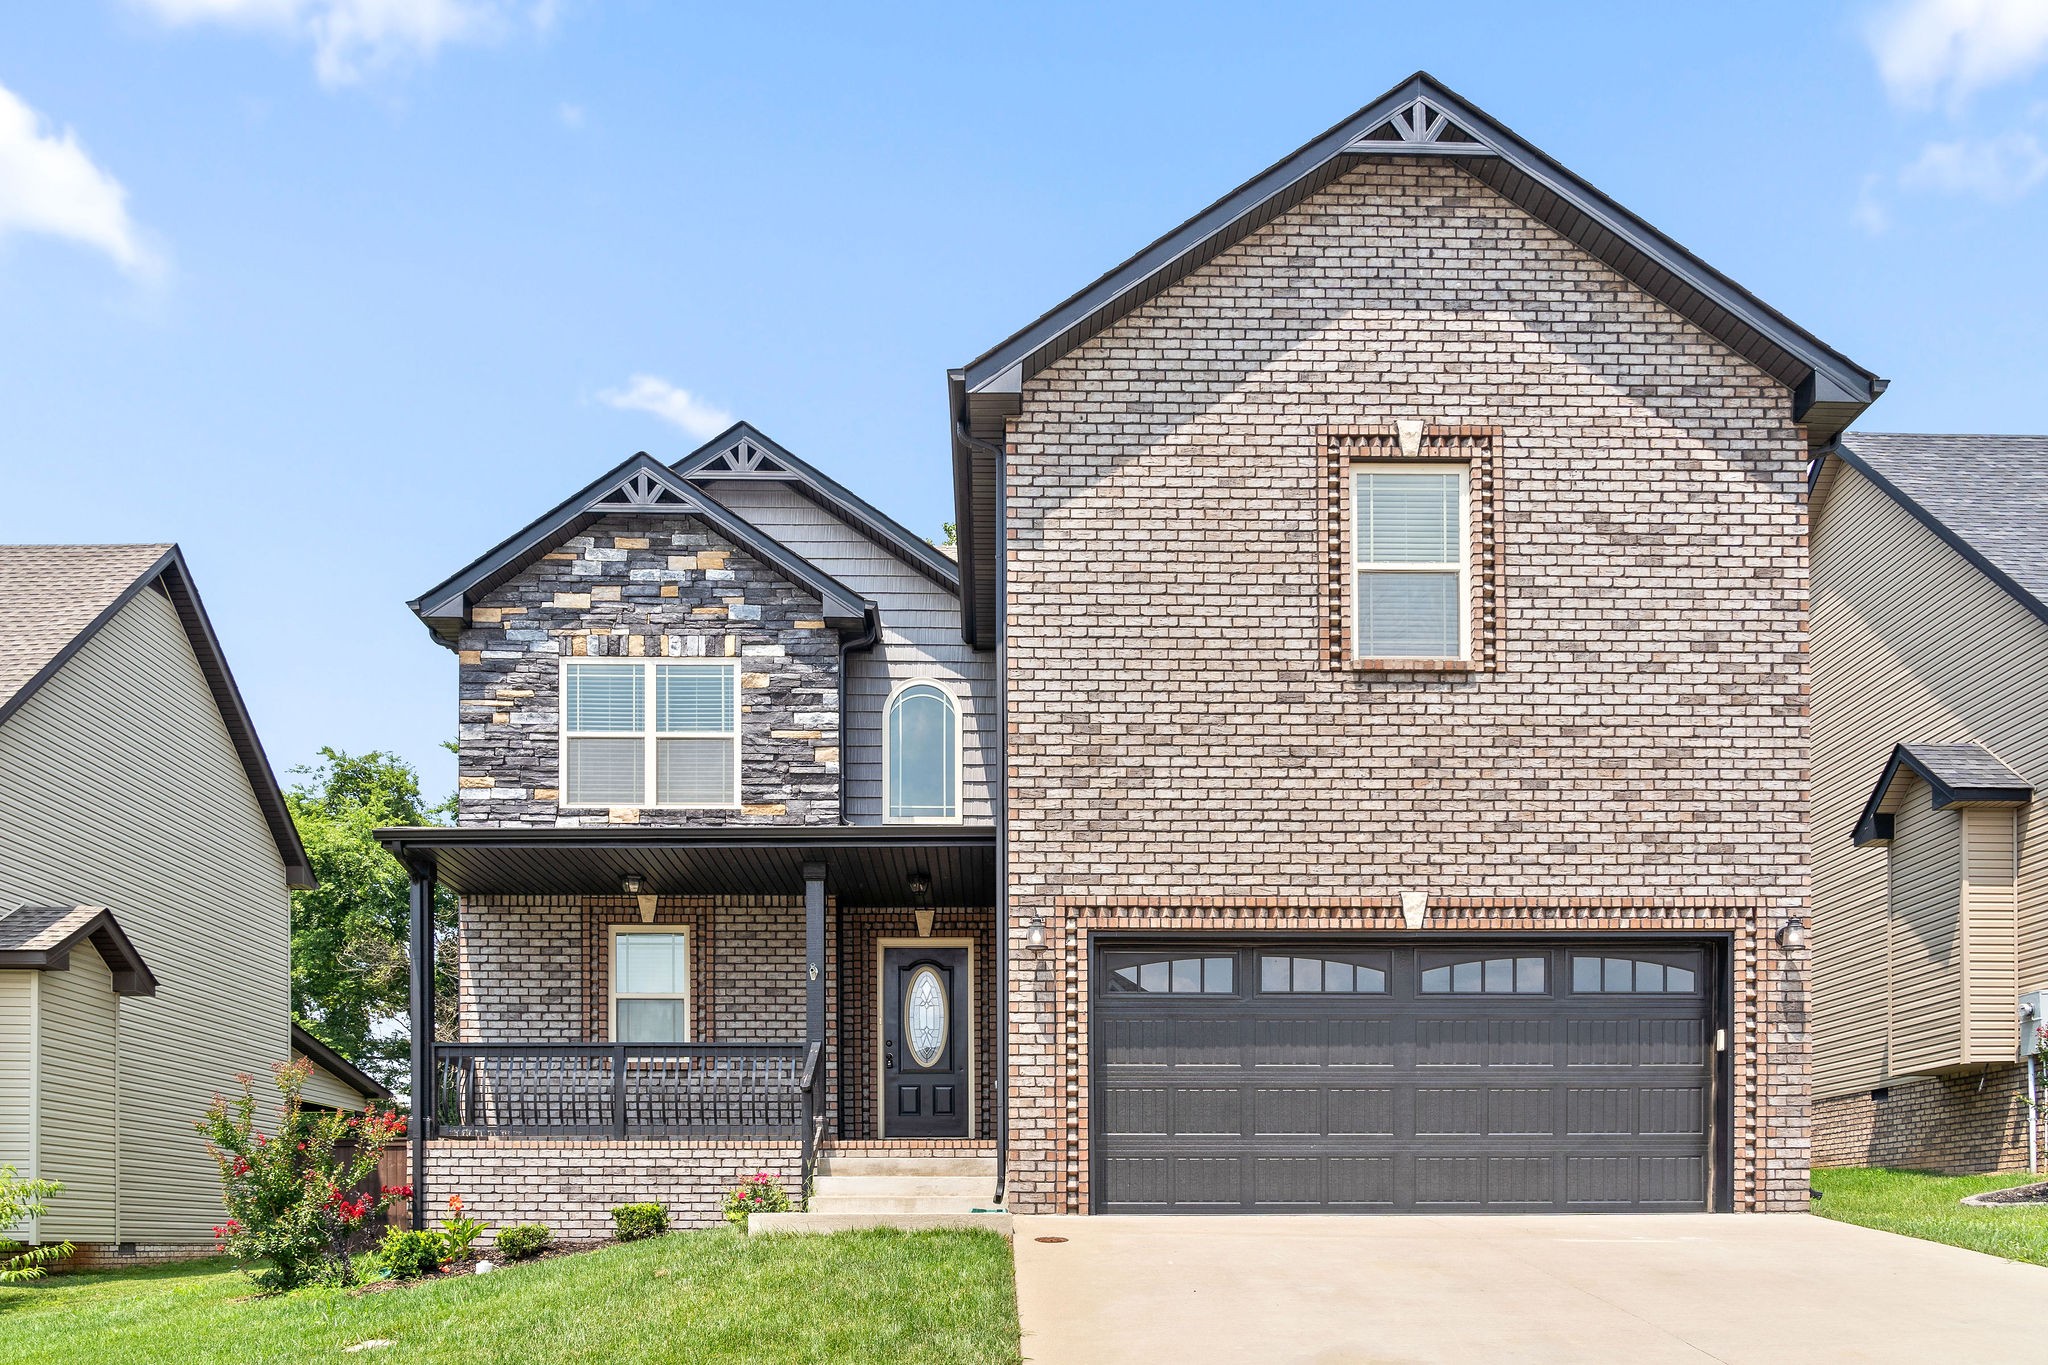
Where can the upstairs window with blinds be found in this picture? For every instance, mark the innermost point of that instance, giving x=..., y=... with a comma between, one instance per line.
x=650, y=734
x=1409, y=561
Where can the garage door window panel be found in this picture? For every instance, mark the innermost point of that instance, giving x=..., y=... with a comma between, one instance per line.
x=1285, y=973
x=1454, y=974
x=1664, y=974
x=1171, y=975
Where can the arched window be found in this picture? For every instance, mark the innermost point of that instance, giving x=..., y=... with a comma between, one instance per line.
x=921, y=754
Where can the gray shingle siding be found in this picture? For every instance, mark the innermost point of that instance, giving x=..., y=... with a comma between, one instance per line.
x=920, y=639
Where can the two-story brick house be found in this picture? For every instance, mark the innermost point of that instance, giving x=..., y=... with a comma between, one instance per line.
x=1396, y=578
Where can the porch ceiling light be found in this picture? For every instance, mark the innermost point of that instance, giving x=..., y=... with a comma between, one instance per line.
x=630, y=883
x=1793, y=934
x=920, y=884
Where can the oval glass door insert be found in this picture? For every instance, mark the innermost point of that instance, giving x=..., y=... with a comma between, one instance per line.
x=924, y=1016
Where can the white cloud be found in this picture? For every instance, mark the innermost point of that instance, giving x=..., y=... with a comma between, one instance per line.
x=353, y=39
x=647, y=393
x=1999, y=169
x=1930, y=49
x=49, y=185
x=1870, y=213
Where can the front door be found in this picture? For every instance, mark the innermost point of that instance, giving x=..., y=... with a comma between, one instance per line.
x=926, y=1018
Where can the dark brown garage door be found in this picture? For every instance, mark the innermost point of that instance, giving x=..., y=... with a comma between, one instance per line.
x=1497, y=1077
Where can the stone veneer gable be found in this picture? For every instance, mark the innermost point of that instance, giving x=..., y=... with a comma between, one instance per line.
x=638, y=587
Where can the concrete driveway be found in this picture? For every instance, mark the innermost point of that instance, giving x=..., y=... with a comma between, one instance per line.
x=1642, y=1289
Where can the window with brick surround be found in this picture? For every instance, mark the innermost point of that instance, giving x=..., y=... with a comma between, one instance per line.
x=650, y=733
x=650, y=984
x=1411, y=545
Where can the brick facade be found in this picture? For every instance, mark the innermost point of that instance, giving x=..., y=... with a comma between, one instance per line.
x=1187, y=756
x=572, y=1185
x=645, y=587
x=1961, y=1125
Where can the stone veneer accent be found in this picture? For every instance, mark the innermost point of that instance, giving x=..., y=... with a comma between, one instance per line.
x=644, y=587
x=1635, y=758
x=1962, y=1125
x=572, y=1185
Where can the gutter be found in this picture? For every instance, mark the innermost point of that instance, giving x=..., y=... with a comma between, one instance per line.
x=864, y=642
x=963, y=499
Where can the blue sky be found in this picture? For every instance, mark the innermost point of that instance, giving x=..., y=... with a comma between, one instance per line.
x=338, y=293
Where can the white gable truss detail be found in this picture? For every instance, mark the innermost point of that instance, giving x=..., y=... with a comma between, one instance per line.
x=645, y=491
x=744, y=460
x=1419, y=126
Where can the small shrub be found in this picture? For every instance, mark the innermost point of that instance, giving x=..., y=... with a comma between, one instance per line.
x=459, y=1234
x=635, y=1221
x=407, y=1255
x=292, y=1210
x=758, y=1193
x=21, y=1199
x=524, y=1240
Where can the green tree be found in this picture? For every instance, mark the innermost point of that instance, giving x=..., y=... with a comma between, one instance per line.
x=351, y=974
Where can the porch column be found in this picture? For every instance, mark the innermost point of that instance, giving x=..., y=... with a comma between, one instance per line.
x=422, y=1000
x=814, y=954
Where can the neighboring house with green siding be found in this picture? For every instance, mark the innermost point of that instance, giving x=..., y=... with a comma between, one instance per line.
x=146, y=860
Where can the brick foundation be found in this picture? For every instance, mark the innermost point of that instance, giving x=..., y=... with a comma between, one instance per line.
x=572, y=1185
x=1959, y=1125
x=111, y=1256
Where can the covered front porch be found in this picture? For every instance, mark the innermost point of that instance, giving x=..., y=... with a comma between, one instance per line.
x=651, y=1013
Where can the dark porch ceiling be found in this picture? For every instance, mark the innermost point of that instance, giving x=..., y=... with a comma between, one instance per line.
x=866, y=865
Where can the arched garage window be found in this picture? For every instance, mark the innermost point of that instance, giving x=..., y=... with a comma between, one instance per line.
x=921, y=754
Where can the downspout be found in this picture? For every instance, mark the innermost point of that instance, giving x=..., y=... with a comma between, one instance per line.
x=870, y=633
x=999, y=793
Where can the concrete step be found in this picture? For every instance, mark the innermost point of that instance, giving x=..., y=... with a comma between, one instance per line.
x=761, y=1223
x=895, y=1203
x=983, y=1166
x=969, y=1187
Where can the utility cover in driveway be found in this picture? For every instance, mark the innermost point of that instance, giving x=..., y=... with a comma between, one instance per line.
x=1497, y=1077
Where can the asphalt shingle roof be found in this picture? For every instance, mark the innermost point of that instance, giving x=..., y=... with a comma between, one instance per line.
x=1990, y=492
x=43, y=926
x=51, y=593
x=1961, y=767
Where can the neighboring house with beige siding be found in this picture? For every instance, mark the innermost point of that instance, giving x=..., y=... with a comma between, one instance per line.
x=1929, y=849
x=146, y=859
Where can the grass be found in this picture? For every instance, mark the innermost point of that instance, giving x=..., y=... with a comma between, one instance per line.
x=1916, y=1204
x=693, y=1296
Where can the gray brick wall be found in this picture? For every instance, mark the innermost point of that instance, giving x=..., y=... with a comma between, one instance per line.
x=1176, y=734
x=642, y=587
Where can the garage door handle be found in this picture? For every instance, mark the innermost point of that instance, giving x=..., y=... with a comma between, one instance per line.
x=1720, y=1040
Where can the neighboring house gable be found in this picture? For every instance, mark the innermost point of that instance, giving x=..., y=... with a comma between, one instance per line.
x=130, y=779
x=1928, y=634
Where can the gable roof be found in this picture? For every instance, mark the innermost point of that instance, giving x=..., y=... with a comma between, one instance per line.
x=1956, y=773
x=340, y=1067
x=1419, y=117
x=1986, y=496
x=55, y=598
x=743, y=453
x=40, y=938
x=642, y=485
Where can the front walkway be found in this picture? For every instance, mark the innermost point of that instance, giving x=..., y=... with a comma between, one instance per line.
x=1644, y=1289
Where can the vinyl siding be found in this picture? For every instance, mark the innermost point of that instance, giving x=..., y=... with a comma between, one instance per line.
x=80, y=1114
x=17, y=1071
x=1990, y=936
x=325, y=1088
x=1910, y=643
x=920, y=639
x=119, y=787
x=1926, y=947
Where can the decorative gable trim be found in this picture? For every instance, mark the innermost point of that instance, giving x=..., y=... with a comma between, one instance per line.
x=641, y=485
x=1419, y=126
x=743, y=457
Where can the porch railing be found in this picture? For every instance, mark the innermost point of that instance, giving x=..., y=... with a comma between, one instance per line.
x=620, y=1090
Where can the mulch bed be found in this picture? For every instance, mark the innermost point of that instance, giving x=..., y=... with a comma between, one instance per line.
x=2017, y=1195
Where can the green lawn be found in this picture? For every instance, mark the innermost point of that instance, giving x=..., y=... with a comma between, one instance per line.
x=1915, y=1204
x=692, y=1296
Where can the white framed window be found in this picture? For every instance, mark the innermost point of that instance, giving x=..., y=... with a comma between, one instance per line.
x=650, y=984
x=1410, y=563
x=921, y=754
x=652, y=732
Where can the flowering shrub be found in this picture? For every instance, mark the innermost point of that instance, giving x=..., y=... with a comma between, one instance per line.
x=20, y=1199
x=758, y=1193
x=635, y=1221
x=459, y=1234
x=291, y=1200
x=523, y=1240
x=407, y=1255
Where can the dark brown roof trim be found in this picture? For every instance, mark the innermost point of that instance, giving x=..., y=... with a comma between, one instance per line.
x=170, y=576
x=330, y=1060
x=131, y=974
x=1957, y=774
